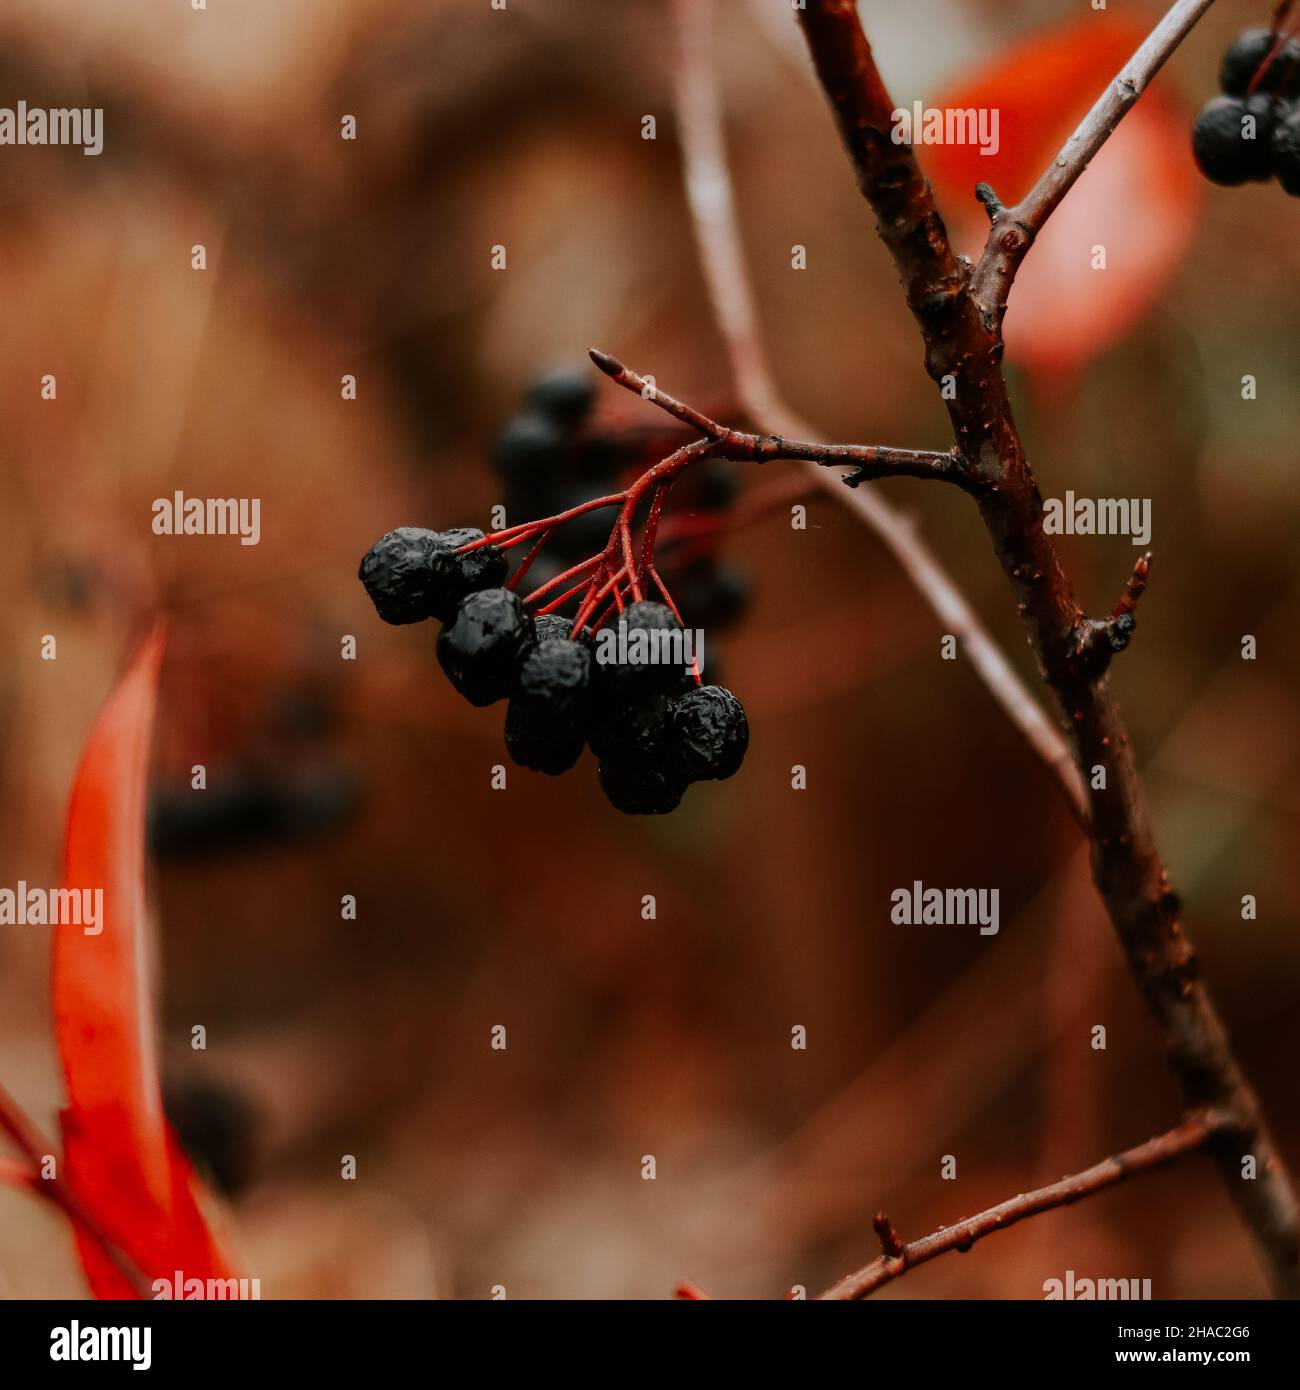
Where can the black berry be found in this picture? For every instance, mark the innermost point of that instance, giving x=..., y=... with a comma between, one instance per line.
x=641, y=652
x=710, y=734
x=710, y=596
x=402, y=571
x=1220, y=140
x=552, y=627
x=480, y=648
x=529, y=446
x=412, y=574
x=581, y=535
x=564, y=395
x=633, y=729
x=1286, y=148
x=484, y=568
x=715, y=485
x=638, y=787
x=1248, y=53
x=546, y=723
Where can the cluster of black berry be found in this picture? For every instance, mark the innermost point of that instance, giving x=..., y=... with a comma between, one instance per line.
x=1252, y=132
x=549, y=458
x=652, y=727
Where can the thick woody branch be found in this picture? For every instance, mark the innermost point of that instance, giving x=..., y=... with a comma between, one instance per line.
x=1197, y=1131
x=964, y=342
x=869, y=460
x=888, y=175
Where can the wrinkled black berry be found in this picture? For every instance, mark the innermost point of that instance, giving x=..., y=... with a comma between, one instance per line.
x=1286, y=148
x=564, y=395
x=639, y=653
x=1223, y=152
x=629, y=728
x=710, y=733
x=1247, y=54
x=480, y=648
x=403, y=571
x=412, y=574
x=484, y=568
x=641, y=788
x=546, y=723
x=552, y=627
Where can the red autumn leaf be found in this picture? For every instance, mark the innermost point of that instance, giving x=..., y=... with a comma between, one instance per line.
x=120, y=1158
x=1138, y=198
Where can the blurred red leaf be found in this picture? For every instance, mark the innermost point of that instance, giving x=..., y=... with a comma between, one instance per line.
x=1138, y=198
x=120, y=1156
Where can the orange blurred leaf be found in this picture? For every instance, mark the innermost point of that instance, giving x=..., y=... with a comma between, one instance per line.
x=120, y=1157
x=1138, y=199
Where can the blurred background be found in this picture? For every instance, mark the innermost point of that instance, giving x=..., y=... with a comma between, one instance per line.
x=522, y=908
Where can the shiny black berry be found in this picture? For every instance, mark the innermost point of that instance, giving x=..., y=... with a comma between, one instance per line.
x=546, y=722
x=564, y=395
x=1286, y=148
x=484, y=568
x=1248, y=53
x=412, y=574
x=634, y=728
x=710, y=734
x=640, y=653
x=1232, y=139
x=481, y=647
x=641, y=788
x=403, y=571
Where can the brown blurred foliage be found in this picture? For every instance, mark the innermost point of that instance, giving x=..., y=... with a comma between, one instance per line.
x=627, y=1037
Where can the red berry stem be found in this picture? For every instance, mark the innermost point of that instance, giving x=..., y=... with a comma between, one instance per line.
x=561, y=601
x=528, y=559
x=672, y=608
x=581, y=567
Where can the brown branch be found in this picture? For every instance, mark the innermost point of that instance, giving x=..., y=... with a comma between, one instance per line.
x=869, y=460
x=1014, y=228
x=964, y=343
x=713, y=214
x=1198, y=1130
x=1100, y=639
